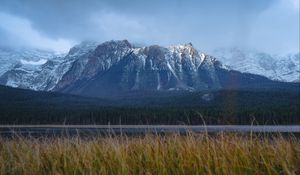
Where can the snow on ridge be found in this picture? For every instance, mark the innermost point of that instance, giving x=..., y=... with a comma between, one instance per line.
x=34, y=63
x=176, y=58
x=276, y=67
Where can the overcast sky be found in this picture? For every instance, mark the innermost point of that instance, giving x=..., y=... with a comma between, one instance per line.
x=267, y=25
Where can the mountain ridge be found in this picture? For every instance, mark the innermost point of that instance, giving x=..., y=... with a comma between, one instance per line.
x=276, y=67
x=93, y=69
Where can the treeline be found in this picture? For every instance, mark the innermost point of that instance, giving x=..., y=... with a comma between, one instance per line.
x=196, y=108
x=150, y=115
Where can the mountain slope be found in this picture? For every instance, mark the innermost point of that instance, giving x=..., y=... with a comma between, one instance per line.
x=115, y=68
x=30, y=57
x=23, y=68
x=43, y=77
x=280, y=68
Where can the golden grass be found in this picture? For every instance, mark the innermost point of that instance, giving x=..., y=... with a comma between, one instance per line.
x=173, y=154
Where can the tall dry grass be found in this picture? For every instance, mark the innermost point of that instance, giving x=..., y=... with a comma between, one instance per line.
x=173, y=154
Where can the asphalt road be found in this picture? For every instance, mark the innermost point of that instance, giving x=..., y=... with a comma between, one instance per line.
x=9, y=130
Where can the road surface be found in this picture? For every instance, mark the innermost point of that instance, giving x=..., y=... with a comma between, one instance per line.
x=8, y=130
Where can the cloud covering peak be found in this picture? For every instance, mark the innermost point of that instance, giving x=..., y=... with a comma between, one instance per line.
x=269, y=25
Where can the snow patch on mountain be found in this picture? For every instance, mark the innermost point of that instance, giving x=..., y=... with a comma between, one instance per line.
x=9, y=58
x=276, y=67
x=35, y=63
x=85, y=60
x=128, y=67
x=21, y=67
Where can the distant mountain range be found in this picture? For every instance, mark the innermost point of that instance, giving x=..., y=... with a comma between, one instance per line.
x=9, y=58
x=276, y=67
x=118, y=67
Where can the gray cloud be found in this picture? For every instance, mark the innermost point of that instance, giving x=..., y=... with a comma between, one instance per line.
x=57, y=24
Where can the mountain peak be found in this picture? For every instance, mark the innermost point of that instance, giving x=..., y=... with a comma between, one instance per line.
x=83, y=48
x=124, y=43
x=182, y=46
x=189, y=44
x=116, y=66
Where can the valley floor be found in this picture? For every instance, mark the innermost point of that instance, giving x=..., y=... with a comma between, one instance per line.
x=152, y=154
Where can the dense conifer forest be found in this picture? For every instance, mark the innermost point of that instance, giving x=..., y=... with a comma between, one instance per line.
x=219, y=107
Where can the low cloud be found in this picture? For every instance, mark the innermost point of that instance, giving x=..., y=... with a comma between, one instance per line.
x=276, y=30
x=113, y=25
x=21, y=32
x=268, y=25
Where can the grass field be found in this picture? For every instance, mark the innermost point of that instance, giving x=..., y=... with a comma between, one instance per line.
x=171, y=154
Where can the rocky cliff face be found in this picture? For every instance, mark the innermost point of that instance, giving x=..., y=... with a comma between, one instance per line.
x=116, y=67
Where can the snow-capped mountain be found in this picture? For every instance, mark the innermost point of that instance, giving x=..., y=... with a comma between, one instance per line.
x=115, y=67
x=41, y=71
x=23, y=67
x=11, y=57
x=276, y=67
